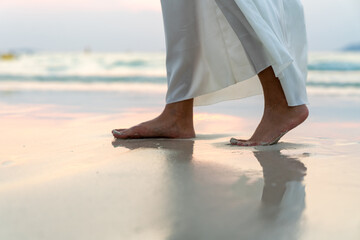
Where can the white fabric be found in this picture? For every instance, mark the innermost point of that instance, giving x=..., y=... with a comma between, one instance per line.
x=216, y=48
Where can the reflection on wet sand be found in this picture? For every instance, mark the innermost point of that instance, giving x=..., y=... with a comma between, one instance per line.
x=204, y=203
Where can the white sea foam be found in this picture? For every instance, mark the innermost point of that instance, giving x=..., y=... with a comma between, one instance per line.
x=85, y=65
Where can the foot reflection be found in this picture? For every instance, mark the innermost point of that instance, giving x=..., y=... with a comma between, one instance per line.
x=283, y=191
x=174, y=149
x=210, y=200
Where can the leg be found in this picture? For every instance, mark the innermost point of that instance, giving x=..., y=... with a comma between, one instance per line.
x=278, y=117
x=176, y=121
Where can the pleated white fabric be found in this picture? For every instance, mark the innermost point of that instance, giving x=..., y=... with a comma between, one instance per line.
x=216, y=48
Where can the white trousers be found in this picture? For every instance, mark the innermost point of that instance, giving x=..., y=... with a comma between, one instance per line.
x=216, y=48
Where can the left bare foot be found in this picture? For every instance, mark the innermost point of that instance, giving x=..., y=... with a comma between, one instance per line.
x=176, y=121
x=276, y=122
x=164, y=126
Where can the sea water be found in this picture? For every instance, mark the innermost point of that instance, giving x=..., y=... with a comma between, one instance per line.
x=330, y=73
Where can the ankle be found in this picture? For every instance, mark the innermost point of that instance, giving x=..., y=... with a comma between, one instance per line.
x=179, y=110
x=276, y=108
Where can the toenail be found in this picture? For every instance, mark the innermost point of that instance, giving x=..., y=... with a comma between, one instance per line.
x=233, y=141
x=117, y=132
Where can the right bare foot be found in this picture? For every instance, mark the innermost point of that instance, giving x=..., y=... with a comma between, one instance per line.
x=276, y=122
x=278, y=118
x=176, y=121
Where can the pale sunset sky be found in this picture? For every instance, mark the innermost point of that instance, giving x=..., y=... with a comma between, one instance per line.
x=136, y=25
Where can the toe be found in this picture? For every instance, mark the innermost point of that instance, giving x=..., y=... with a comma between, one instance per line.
x=131, y=133
x=242, y=143
x=234, y=141
x=115, y=133
x=119, y=133
x=119, y=129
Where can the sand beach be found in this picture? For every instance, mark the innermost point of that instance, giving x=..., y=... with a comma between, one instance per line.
x=63, y=176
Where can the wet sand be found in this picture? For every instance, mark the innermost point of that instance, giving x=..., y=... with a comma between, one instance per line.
x=63, y=176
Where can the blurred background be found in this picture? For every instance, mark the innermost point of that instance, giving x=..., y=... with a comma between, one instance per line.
x=123, y=41
x=136, y=25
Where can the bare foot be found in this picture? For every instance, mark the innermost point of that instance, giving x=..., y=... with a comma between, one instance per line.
x=176, y=121
x=276, y=122
x=156, y=128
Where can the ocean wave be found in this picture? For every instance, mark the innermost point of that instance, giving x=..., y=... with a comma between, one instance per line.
x=58, y=66
x=334, y=66
x=134, y=63
x=333, y=84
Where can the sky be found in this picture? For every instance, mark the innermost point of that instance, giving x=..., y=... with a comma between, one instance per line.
x=137, y=25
